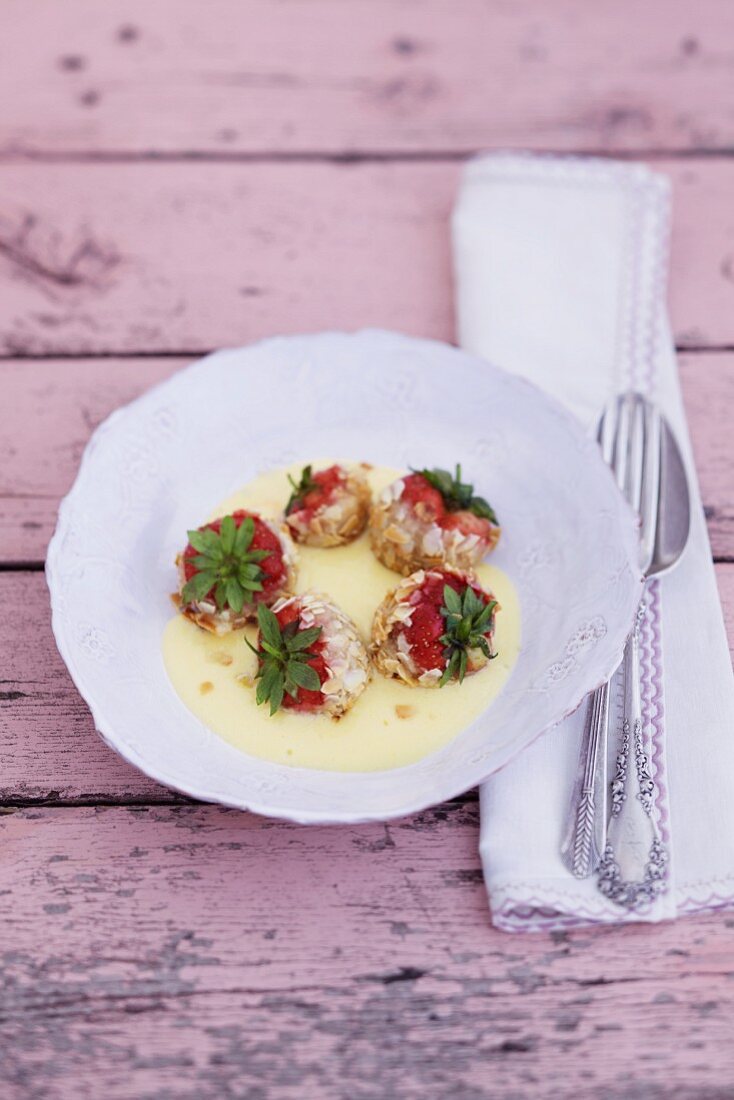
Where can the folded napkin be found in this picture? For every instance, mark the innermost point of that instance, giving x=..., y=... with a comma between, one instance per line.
x=561, y=266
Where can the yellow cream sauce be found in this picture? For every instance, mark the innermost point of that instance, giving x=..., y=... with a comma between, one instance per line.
x=391, y=724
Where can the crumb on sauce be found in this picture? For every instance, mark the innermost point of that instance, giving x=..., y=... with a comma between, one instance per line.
x=219, y=657
x=205, y=687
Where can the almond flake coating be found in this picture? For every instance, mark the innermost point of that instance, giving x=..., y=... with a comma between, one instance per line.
x=405, y=537
x=341, y=520
x=344, y=652
x=389, y=645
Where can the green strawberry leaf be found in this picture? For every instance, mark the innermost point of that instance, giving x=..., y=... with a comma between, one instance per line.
x=468, y=622
x=458, y=495
x=304, y=676
x=225, y=563
x=282, y=656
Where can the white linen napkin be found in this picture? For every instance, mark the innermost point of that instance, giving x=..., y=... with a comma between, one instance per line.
x=560, y=267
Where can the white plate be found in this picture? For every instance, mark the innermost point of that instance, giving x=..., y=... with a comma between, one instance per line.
x=154, y=468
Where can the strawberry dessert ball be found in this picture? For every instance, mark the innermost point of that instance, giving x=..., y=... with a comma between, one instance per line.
x=436, y=626
x=231, y=566
x=429, y=518
x=329, y=507
x=310, y=657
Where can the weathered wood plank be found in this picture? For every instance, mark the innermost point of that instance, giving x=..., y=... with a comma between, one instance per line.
x=48, y=747
x=196, y=952
x=364, y=75
x=120, y=258
x=57, y=404
x=708, y=393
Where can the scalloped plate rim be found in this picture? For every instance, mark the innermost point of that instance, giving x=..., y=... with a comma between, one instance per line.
x=104, y=725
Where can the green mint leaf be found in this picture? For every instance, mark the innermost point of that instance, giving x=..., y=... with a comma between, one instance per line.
x=458, y=495
x=480, y=508
x=258, y=555
x=224, y=558
x=472, y=604
x=269, y=627
x=244, y=537
x=304, y=675
x=227, y=534
x=482, y=620
x=276, y=694
x=249, y=585
x=304, y=639
x=283, y=659
x=220, y=594
x=450, y=669
x=202, y=562
x=300, y=488
x=466, y=628
x=235, y=595
x=249, y=577
x=270, y=675
x=452, y=600
x=204, y=541
x=198, y=587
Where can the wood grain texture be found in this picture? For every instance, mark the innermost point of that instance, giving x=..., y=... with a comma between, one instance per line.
x=197, y=953
x=317, y=76
x=176, y=177
x=57, y=404
x=48, y=747
x=124, y=258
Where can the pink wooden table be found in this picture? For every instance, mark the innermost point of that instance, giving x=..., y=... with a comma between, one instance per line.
x=179, y=176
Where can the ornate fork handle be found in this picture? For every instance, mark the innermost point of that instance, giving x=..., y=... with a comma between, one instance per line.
x=583, y=844
x=632, y=894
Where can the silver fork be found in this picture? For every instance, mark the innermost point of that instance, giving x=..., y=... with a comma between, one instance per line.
x=629, y=436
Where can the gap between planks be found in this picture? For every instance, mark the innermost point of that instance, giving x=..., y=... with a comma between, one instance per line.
x=357, y=156
x=200, y=353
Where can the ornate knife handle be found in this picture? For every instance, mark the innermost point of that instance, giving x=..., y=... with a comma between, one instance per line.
x=632, y=894
x=584, y=840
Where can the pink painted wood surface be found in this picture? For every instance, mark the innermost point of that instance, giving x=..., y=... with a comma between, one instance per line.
x=57, y=404
x=364, y=75
x=105, y=258
x=169, y=950
x=195, y=952
x=48, y=747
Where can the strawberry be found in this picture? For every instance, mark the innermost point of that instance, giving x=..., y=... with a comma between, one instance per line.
x=449, y=615
x=314, y=491
x=467, y=523
x=231, y=561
